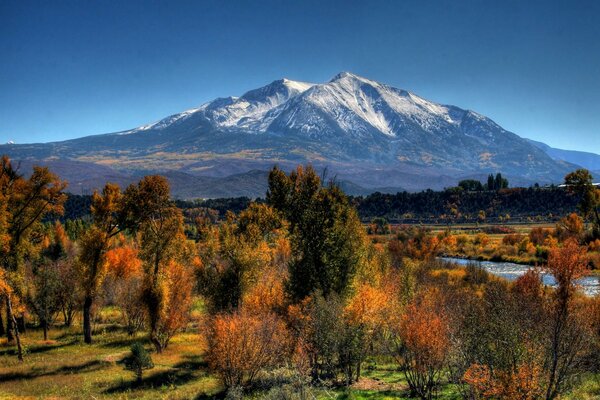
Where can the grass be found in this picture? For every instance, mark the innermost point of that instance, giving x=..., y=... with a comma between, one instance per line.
x=65, y=367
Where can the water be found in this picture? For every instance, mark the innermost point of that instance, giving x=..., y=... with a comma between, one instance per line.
x=590, y=285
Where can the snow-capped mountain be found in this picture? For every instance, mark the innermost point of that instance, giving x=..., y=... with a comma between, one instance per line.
x=365, y=132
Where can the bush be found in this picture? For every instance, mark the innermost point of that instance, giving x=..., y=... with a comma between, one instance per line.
x=498, y=229
x=241, y=345
x=476, y=275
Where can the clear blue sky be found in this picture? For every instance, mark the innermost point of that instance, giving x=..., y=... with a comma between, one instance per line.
x=75, y=68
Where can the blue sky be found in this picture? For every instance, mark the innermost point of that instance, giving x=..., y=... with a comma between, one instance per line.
x=75, y=68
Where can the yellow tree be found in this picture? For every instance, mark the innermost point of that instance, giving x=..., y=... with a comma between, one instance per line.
x=23, y=205
x=108, y=222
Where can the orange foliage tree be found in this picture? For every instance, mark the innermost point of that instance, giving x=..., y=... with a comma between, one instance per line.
x=567, y=326
x=125, y=275
x=372, y=311
x=176, y=304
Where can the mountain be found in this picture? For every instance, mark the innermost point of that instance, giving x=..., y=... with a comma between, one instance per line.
x=587, y=160
x=365, y=134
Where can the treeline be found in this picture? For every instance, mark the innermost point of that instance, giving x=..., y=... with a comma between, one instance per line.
x=516, y=204
x=452, y=205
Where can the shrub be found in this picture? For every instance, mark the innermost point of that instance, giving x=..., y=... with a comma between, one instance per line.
x=241, y=345
x=424, y=345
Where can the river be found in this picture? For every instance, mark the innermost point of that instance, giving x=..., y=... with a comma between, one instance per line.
x=590, y=285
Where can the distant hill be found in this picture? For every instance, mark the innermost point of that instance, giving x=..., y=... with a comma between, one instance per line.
x=365, y=134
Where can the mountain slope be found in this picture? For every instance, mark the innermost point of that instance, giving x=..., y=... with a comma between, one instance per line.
x=365, y=133
x=587, y=160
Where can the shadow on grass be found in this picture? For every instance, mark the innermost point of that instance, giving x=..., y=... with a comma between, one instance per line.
x=11, y=350
x=89, y=366
x=218, y=396
x=393, y=394
x=191, y=368
x=125, y=342
x=193, y=363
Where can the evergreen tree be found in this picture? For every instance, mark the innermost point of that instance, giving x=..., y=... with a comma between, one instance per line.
x=138, y=361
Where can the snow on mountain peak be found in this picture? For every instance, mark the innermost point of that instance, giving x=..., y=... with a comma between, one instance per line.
x=348, y=103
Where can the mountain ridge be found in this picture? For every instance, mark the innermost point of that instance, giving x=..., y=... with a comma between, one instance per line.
x=366, y=133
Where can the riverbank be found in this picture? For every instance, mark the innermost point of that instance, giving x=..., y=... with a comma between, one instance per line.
x=508, y=259
x=590, y=284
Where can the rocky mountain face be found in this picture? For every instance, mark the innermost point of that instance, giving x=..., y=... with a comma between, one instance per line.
x=367, y=135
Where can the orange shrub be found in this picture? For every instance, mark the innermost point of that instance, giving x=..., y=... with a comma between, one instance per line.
x=241, y=345
x=267, y=295
x=523, y=383
x=424, y=333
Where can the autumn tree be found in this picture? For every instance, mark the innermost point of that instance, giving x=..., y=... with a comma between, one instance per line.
x=125, y=276
x=570, y=226
x=108, y=222
x=234, y=254
x=568, y=327
x=46, y=290
x=580, y=182
x=327, y=237
x=369, y=314
x=23, y=205
x=167, y=286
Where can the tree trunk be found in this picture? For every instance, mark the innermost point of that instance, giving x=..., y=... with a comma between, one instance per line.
x=45, y=324
x=10, y=316
x=9, y=323
x=87, y=323
x=2, y=332
x=21, y=323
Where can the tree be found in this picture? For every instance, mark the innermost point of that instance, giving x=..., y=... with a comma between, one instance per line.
x=568, y=336
x=500, y=182
x=108, y=222
x=490, y=185
x=23, y=205
x=471, y=185
x=369, y=315
x=321, y=334
x=126, y=277
x=45, y=289
x=138, y=361
x=580, y=182
x=570, y=226
x=234, y=254
x=327, y=237
x=167, y=286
